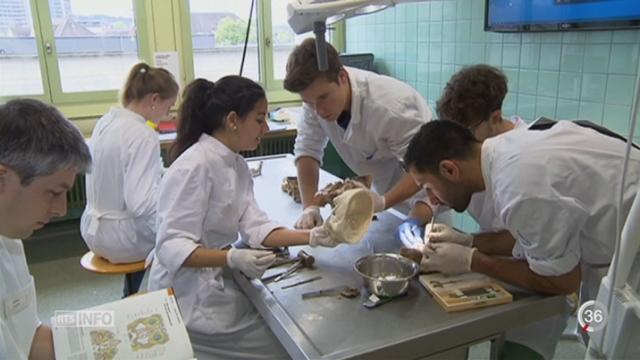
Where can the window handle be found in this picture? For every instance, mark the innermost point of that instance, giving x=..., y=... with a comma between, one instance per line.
x=48, y=48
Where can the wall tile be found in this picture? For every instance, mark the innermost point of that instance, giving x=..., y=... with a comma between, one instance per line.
x=477, y=9
x=493, y=54
x=448, y=53
x=476, y=53
x=449, y=31
x=435, y=53
x=591, y=111
x=548, y=83
x=436, y=11
x=626, y=36
x=593, y=87
x=526, y=107
x=528, y=82
x=568, y=75
x=550, y=57
x=512, y=79
x=567, y=109
x=616, y=118
x=620, y=90
x=511, y=55
x=596, y=58
x=435, y=70
x=435, y=32
x=572, y=58
x=570, y=85
x=462, y=55
x=423, y=12
x=598, y=37
x=449, y=10
x=624, y=58
x=463, y=31
x=447, y=73
x=545, y=106
x=530, y=56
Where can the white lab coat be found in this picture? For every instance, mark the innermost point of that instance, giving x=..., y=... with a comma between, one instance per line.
x=481, y=205
x=385, y=115
x=206, y=199
x=18, y=310
x=556, y=191
x=540, y=336
x=119, y=222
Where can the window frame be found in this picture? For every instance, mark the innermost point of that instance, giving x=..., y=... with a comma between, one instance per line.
x=153, y=34
x=274, y=88
x=80, y=103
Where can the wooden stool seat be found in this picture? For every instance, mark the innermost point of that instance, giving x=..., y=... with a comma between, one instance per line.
x=97, y=264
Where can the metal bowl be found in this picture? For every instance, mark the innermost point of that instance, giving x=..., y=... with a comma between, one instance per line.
x=386, y=274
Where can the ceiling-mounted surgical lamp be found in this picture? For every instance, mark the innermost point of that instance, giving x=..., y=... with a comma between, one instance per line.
x=315, y=15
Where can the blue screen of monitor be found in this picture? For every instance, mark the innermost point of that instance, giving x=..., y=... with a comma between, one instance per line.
x=507, y=12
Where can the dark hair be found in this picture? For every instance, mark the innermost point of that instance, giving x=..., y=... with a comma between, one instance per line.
x=302, y=66
x=144, y=80
x=436, y=141
x=472, y=94
x=36, y=140
x=206, y=104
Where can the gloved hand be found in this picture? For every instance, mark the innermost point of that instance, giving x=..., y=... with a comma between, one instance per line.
x=252, y=263
x=379, y=203
x=447, y=258
x=310, y=218
x=411, y=233
x=440, y=233
x=319, y=236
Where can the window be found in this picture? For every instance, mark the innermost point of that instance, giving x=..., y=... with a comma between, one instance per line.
x=218, y=31
x=67, y=51
x=95, y=43
x=19, y=62
x=283, y=38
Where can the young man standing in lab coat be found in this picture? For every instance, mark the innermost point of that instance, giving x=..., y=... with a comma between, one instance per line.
x=369, y=119
x=554, y=190
x=40, y=154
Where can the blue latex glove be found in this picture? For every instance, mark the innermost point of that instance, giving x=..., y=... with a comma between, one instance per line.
x=411, y=233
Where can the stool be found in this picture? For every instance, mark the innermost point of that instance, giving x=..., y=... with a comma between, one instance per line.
x=100, y=265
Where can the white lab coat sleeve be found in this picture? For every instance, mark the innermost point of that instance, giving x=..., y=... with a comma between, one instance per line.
x=547, y=232
x=141, y=176
x=311, y=139
x=255, y=225
x=182, y=207
x=402, y=125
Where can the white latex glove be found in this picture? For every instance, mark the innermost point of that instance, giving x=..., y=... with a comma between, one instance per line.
x=319, y=236
x=379, y=203
x=310, y=218
x=252, y=263
x=442, y=233
x=447, y=258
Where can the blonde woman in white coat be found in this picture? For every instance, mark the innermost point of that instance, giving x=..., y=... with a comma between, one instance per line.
x=206, y=200
x=119, y=222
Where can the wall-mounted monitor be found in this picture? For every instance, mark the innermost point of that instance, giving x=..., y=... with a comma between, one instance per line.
x=560, y=15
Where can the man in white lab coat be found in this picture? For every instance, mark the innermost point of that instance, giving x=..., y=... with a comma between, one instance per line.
x=553, y=189
x=369, y=119
x=473, y=98
x=40, y=154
